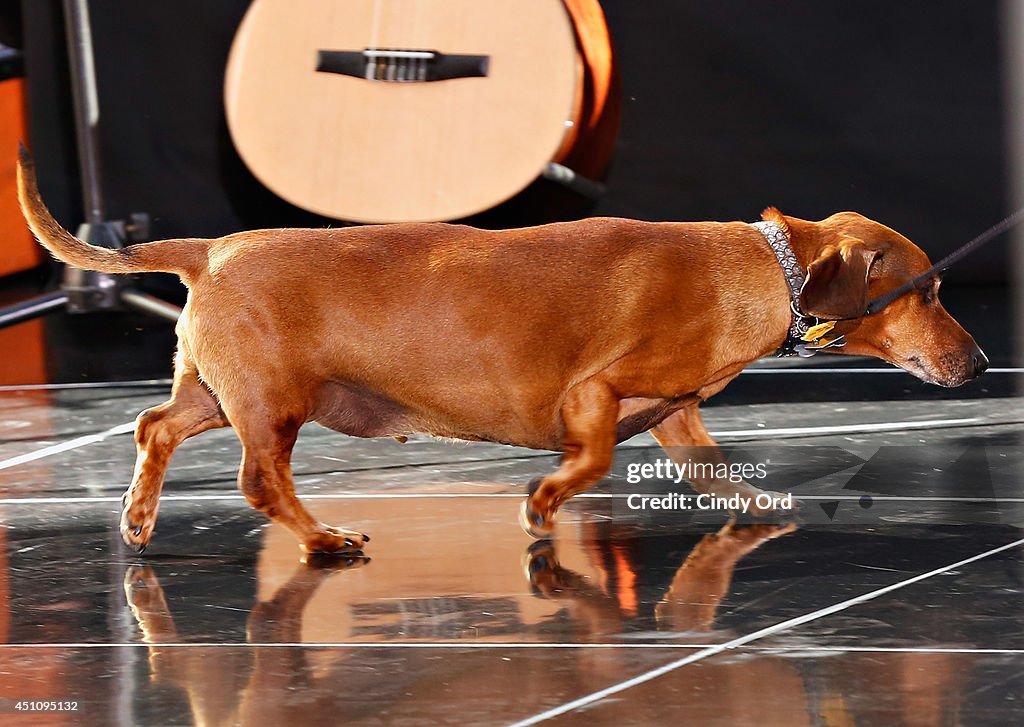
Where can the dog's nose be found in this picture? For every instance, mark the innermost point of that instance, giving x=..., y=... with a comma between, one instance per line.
x=980, y=362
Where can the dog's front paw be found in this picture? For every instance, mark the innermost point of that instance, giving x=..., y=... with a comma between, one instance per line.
x=329, y=539
x=536, y=524
x=533, y=523
x=138, y=518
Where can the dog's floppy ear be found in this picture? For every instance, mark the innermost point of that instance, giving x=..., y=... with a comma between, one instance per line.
x=836, y=285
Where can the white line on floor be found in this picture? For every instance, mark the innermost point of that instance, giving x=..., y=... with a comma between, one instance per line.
x=498, y=645
x=862, y=370
x=84, y=500
x=139, y=383
x=849, y=428
x=359, y=645
x=723, y=435
x=753, y=636
x=905, y=498
x=65, y=446
x=890, y=649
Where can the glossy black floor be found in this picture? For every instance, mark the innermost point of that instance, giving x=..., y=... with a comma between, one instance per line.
x=894, y=598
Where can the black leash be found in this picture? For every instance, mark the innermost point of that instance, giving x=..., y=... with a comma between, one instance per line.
x=997, y=229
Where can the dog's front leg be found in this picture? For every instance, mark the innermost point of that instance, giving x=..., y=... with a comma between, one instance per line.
x=685, y=441
x=588, y=416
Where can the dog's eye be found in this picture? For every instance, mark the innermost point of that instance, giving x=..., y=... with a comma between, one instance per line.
x=928, y=295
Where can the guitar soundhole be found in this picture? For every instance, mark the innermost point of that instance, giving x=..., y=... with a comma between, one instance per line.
x=401, y=65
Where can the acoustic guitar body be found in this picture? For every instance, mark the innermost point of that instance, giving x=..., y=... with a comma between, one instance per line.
x=402, y=110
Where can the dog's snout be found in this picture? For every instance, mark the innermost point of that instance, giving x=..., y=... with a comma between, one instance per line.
x=979, y=362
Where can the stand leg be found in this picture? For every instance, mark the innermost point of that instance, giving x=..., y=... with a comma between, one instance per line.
x=32, y=308
x=148, y=304
x=576, y=182
x=85, y=291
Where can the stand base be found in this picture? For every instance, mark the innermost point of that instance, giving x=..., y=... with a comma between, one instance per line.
x=124, y=298
x=33, y=308
x=87, y=291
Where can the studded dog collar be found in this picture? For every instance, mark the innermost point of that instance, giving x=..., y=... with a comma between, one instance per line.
x=806, y=333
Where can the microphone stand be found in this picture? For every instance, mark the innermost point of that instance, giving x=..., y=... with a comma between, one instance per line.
x=88, y=291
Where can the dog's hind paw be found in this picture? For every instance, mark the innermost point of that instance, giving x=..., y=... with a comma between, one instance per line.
x=329, y=539
x=137, y=523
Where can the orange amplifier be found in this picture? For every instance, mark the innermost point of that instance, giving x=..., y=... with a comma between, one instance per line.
x=18, y=251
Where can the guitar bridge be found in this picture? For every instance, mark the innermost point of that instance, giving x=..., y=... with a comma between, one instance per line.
x=401, y=66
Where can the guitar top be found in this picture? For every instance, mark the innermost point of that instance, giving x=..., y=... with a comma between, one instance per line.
x=402, y=110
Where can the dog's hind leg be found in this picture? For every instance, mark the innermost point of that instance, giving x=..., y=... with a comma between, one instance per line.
x=191, y=409
x=265, y=478
x=589, y=416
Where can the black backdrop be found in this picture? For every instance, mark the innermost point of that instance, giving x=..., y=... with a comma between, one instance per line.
x=893, y=109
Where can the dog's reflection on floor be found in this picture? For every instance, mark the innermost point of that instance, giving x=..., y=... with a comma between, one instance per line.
x=238, y=685
x=689, y=604
x=611, y=604
x=244, y=685
x=274, y=680
x=765, y=689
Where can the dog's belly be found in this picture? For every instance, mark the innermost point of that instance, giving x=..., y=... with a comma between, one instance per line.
x=637, y=415
x=361, y=412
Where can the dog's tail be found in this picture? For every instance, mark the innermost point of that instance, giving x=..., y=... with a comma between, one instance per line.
x=184, y=257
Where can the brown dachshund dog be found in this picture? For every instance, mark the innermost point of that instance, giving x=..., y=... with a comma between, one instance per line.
x=568, y=337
